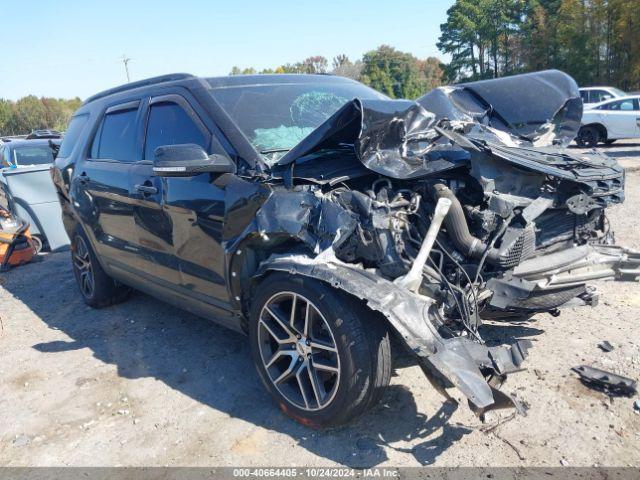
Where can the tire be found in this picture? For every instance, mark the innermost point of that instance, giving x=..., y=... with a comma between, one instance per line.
x=354, y=343
x=588, y=137
x=609, y=141
x=98, y=290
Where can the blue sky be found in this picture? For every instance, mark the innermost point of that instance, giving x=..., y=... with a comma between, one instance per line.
x=68, y=48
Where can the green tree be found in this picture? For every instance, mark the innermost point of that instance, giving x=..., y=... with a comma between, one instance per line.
x=395, y=73
x=29, y=114
x=6, y=110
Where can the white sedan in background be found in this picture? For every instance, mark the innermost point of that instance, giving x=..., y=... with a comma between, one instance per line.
x=610, y=121
x=593, y=95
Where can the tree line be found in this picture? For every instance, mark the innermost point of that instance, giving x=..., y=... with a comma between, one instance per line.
x=594, y=41
x=33, y=113
x=393, y=72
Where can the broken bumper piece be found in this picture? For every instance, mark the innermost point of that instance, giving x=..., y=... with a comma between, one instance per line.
x=547, y=282
x=475, y=369
x=608, y=382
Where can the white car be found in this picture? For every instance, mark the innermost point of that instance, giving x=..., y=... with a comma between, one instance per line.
x=609, y=121
x=594, y=95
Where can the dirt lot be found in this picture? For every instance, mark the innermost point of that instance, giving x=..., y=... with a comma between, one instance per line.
x=145, y=384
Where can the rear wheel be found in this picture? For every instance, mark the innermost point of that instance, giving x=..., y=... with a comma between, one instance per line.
x=588, y=137
x=322, y=355
x=97, y=288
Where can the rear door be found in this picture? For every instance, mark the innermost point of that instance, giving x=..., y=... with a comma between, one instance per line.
x=620, y=117
x=102, y=188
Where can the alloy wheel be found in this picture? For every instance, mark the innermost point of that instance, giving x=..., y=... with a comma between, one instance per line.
x=298, y=351
x=82, y=264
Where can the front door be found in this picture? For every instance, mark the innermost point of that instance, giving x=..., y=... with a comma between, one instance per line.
x=181, y=224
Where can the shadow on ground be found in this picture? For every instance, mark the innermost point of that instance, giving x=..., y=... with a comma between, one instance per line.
x=146, y=338
x=617, y=150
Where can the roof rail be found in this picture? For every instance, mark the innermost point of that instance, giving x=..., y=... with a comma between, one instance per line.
x=171, y=77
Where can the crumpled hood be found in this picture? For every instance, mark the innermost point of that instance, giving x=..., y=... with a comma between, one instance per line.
x=394, y=138
x=399, y=138
x=543, y=108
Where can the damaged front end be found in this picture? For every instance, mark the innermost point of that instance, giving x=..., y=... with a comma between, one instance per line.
x=445, y=212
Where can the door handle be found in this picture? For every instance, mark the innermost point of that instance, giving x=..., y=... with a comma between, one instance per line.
x=146, y=189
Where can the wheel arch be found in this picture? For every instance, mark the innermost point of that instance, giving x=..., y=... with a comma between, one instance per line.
x=408, y=315
x=602, y=130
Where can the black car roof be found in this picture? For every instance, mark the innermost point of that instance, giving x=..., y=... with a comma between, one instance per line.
x=274, y=78
x=216, y=82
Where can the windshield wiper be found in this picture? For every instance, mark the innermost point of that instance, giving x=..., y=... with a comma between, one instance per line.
x=275, y=150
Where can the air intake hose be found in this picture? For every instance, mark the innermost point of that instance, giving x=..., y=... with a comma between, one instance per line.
x=456, y=224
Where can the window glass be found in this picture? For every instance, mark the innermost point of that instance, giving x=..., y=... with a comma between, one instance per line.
x=40, y=155
x=169, y=124
x=116, y=137
x=621, y=105
x=275, y=117
x=600, y=96
x=584, y=94
x=74, y=129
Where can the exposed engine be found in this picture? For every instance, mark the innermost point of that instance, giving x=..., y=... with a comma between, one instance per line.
x=442, y=213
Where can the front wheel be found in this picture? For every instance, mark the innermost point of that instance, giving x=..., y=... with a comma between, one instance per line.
x=321, y=354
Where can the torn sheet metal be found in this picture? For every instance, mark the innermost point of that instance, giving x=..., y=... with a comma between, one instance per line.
x=552, y=280
x=543, y=108
x=608, y=382
x=391, y=137
x=458, y=362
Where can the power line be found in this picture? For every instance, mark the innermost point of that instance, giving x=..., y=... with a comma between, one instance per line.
x=125, y=61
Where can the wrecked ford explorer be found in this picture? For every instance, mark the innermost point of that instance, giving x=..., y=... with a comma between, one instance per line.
x=321, y=218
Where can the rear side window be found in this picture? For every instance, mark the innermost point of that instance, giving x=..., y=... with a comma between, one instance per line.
x=116, y=136
x=585, y=96
x=621, y=105
x=71, y=136
x=169, y=124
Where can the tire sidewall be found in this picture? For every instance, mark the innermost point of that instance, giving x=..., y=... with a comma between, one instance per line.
x=79, y=234
x=355, y=368
x=592, y=140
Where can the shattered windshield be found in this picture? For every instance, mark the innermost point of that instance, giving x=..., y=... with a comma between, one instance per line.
x=276, y=117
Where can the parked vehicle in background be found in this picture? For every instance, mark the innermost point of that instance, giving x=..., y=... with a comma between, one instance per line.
x=39, y=134
x=609, y=121
x=26, y=189
x=592, y=95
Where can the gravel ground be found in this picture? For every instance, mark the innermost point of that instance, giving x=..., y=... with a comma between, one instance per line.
x=145, y=384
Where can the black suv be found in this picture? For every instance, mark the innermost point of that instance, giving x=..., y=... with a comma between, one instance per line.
x=320, y=216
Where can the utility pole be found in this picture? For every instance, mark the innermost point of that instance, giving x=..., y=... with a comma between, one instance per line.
x=125, y=60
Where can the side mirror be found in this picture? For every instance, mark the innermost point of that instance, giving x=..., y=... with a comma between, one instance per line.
x=187, y=160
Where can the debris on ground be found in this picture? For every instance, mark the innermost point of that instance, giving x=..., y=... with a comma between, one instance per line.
x=636, y=406
x=605, y=346
x=610, y=383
